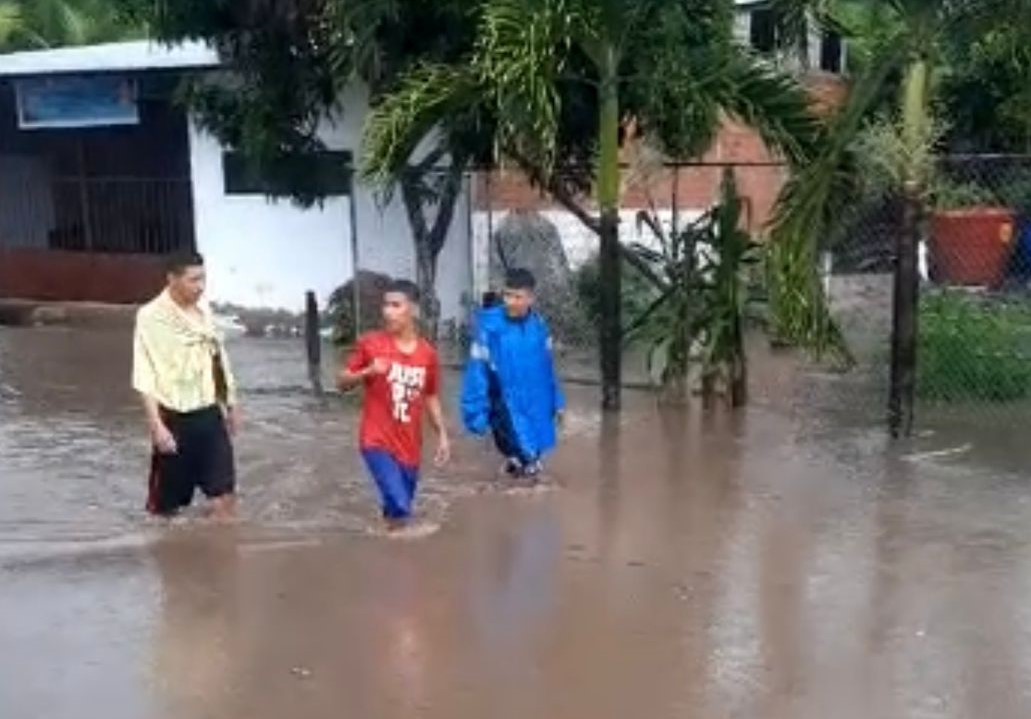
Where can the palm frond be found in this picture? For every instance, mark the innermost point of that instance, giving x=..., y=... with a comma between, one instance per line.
x=75, y=26
x=424, y=103
x=11, y=23
x=55, y=23
x=968, y=20
x=805, y=211
x=775, y=104
x=353, y=29
x=677, y=74
x=521, y=52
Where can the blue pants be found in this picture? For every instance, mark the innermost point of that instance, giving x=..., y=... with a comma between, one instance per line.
x=396, y=482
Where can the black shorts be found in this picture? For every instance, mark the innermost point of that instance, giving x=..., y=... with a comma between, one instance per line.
x=204, y=461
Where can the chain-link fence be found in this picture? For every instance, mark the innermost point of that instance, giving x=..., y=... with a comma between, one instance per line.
x=515, y=224
x=974, y=310
x=974, y=340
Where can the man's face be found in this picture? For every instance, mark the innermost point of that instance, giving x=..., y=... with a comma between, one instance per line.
x=518, y=302
x=398, y=311
x=188, y=286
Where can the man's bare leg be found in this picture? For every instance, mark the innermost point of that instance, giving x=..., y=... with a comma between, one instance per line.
x=395, y=524
x=223, y=509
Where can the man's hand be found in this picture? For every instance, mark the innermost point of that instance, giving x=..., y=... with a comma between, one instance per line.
x=377, y=368
x=351, y=379
x=234, y=420
x=443, y=455
x=164, y=440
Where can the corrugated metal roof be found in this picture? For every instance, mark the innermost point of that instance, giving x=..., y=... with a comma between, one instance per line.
x=112, y=57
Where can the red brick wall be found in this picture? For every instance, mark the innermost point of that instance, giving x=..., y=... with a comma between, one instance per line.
x=695, y=187
x=50, y=275
x=758, y=174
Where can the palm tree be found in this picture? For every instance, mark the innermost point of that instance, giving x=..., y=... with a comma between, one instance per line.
x=909, y=43
x=556, y=82
x=10, y=23
x=29, y=24
x=293, y=64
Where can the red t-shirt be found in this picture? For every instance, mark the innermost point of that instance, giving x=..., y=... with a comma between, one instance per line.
x=392, y=411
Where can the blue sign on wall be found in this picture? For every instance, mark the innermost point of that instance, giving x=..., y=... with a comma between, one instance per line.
x=79, y=101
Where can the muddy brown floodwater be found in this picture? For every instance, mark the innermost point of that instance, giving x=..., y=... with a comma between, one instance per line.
x=774, y=564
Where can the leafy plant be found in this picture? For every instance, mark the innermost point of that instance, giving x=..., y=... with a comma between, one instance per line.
x=35, y=24
x=988, y=89
x=885, y=156
x=340, y=309
x=906, y=46
x=291, y=65
x=950, y=195
x=700, y=276
x=725, y=272
x=669, y=326
x=561, y=83
x=971, y=349
x=637, y=292
x=1017, y=194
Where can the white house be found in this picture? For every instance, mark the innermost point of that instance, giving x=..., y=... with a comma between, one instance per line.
x=101, y=172
x=756, y=25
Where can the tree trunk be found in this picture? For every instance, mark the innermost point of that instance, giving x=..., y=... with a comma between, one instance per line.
x=429, y=239
x=426, y=279
x=611, y=327
x=906, y=300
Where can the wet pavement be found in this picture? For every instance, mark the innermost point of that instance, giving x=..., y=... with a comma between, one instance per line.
x=784, y=562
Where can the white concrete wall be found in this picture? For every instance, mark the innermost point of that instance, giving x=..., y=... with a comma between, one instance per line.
x=263, y=253
x=579, y=242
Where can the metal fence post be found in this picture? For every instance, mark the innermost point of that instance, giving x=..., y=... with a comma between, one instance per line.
x=905, y=312
x=313, y=341
x=356, y=285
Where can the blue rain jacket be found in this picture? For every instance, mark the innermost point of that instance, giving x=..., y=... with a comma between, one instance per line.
x=512, y=359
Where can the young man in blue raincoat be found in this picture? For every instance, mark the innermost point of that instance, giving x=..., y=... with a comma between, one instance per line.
x=511, y=388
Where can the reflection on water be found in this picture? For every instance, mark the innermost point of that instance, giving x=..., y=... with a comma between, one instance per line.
x=73, y=450
x=197, y=633
x=772, y=563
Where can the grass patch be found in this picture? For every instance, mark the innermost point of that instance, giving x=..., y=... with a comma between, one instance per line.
x=974, y=348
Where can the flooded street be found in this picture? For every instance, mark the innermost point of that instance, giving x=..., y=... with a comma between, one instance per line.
x=777, y=563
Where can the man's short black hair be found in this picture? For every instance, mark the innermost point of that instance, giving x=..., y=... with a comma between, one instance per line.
x=404, y=287
x=520, y=279
x=176, y=263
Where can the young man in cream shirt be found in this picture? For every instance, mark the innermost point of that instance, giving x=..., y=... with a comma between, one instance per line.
x=182, y=373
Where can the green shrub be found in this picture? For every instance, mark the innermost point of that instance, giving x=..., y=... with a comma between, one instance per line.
x=948, y=195
x=974, y=349
x=637, y=292
x=1016, y=194
x=339, y=312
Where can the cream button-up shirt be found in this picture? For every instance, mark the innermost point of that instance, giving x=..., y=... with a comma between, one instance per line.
x=173, y=356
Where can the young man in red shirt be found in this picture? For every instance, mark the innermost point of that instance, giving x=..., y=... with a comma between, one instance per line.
x=401, y=375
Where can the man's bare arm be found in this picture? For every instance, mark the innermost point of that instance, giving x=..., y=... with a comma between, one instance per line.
x=348, y=380
x=144, y=382
x=160, y=435
x=436, y=414
x=151, y=410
